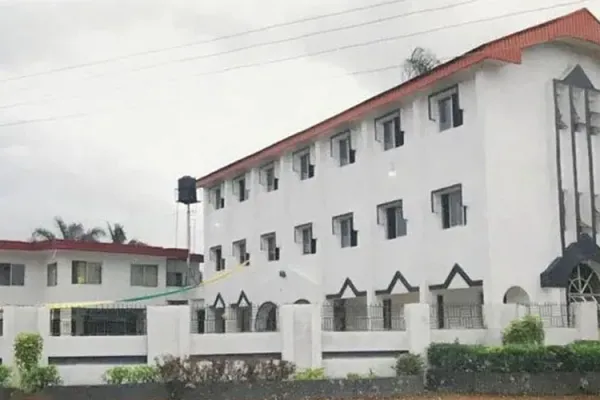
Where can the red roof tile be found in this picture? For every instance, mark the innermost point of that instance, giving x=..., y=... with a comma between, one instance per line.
x=114, y=248
x=581, y=24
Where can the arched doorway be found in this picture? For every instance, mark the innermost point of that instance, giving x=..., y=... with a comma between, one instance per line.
x=516, y=295
x=266, y=318
x=302, y=301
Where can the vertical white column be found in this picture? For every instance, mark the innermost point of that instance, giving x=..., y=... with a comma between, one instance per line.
x=586, y=320
x=417, y=327
x=169, y=331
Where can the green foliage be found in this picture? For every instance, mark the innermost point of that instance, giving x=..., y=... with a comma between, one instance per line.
x=5, y=375
x=28, y=353
x=310, y=374
x=528, y=330
x=131, y=374
x=409, y=364
x=354, y=376
x=514, y=358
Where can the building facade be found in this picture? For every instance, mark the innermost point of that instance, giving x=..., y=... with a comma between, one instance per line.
x=476, y=182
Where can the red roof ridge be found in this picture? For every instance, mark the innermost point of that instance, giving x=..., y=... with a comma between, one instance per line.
x=580, y=24
x=98, y=247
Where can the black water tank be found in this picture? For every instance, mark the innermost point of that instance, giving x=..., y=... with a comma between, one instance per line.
x=187, y=192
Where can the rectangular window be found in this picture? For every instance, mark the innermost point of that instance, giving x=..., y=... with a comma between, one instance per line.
x=216, y=256
x=217, y=198
x=343, y=228
x=302, y=163
x=177, y=275
x=387, y=314
x=144, y=275
x=391, y=216
x=240, y=252
x=444, y=107
x=12, y=274
x=86, y=273
x=388, y=131
x=240, y=190
x=268, y=243
x=52, y=274
x=303, y=235
x=448, y=204
x=341, y=149
x=268, y=177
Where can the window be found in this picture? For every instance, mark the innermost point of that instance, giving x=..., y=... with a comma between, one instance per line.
x=387, y=130
x=302, y=163
x=391, y=216
x=240, y=190
x=444, y=107
x=86, y=273
x=268, y=177
x=303, y=235
x=240, y=252
x=216, y=256
x=177, y=273
x=52, y=274
x=216, y=197
x=243, y=318
x=448, y=204
x=12, y=274
x=343, y=228
x=268, y=243
x=341, y=148
x=144, y=275
x=387, y=314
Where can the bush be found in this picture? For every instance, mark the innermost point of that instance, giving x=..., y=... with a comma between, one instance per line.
x=528, y=330
x=514, y=358
x=28, y=353
x=131, y=374
x=409, y=364
x=5, y=375
x=310, y=374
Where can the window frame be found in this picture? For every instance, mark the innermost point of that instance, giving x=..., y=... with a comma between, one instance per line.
x=240, y=188
x=303, y=163
x=336, y=140
x=304, y=237
x=219, y=262
x=268, y=244
x=173, y=276
x=242, y=257
x=217, y=196
x=52, y=274
x=345, y=222
x=11, y=274
x=269, y=181
x=455, y=116
x=437, y=206
x=397, y=134
x=144, y=275
x=76, y=278
x=401, y=223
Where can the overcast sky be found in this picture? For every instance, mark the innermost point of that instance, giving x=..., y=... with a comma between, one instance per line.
x=115, y=136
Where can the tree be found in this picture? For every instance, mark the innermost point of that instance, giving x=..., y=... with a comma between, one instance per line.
x=420, y=62
x=117, y=235
x=69, y=231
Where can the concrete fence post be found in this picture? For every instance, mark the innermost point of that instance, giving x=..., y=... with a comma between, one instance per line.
x=586, y=320
x=300, y=330
x=168, y=331
x=418, y=327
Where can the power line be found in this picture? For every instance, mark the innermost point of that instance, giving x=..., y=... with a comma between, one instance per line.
x=197, y=43
x=336, y=49
x=382, y=69
x=258, y=45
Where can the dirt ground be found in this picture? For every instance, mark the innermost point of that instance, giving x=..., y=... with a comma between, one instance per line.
x=489, y=397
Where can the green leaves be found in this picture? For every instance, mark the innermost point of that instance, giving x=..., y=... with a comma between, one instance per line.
x=131, y=374
x=28, y=353
x=409, y=364
x=528, y=330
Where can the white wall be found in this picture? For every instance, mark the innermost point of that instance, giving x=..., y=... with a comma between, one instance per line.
x=116, y=278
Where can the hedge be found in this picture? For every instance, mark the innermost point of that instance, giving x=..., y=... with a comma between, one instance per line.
x=576, y=357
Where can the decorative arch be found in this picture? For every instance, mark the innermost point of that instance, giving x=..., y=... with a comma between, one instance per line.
x=302, y=301
x=584, y=285
x=266, y=317
x=516, y=295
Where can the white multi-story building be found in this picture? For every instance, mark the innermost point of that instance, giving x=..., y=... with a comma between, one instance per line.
x=476, y=181
x=51, y=272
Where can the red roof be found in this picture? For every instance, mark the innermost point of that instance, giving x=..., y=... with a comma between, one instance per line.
x=581, y=24
x=114, y=248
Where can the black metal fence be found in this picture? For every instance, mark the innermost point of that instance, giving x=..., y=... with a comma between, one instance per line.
x=104, y=320
x=252, y=318
x=351, y=318
x=552, y=315
x=456, y=316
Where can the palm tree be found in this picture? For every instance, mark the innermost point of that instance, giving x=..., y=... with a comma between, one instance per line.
x=117, y=235
x=420, y=62
x=69, y=231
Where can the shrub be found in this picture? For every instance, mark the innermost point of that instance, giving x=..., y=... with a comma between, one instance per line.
x=354, y=376
x=28, y=353
x=409, y=364
x=514, y=358
x=5, y=375
x=131, y=374
x=528, y=330
x=310, y=374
